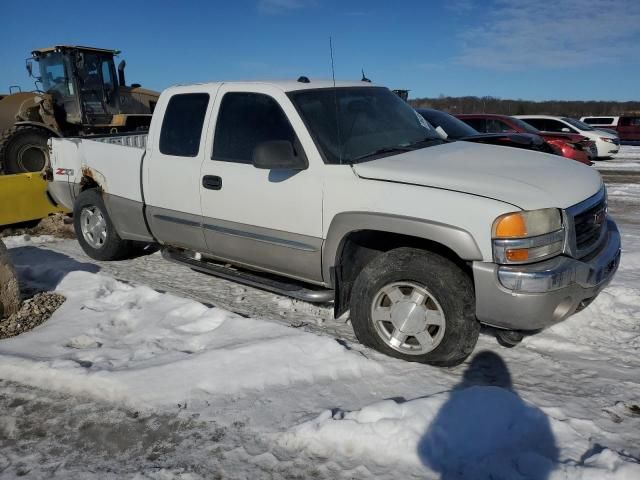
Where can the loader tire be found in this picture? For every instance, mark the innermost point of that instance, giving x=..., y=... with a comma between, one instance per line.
x=23, y=149
x=9, y=288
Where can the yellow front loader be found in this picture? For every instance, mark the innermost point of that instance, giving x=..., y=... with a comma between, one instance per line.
x=24, y=198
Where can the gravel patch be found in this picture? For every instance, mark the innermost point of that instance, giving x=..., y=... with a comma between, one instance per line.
x=34, y=311
x=54, y=225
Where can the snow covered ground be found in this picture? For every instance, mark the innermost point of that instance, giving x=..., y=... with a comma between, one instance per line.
x=135, y=377
x=628, y=158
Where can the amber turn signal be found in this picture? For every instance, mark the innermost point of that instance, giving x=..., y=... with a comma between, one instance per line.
x=512, y=225
x=517, y=254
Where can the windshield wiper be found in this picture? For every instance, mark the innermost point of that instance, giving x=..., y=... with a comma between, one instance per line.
x=381, y=151
x=425, y=142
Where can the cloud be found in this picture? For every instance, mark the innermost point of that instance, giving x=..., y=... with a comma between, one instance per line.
x=521, y=34
x=282, y=6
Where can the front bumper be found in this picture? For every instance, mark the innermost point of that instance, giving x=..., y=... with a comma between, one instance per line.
x=606, y=149
x=533, y=297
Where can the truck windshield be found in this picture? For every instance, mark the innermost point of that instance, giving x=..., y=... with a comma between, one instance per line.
x=356, y=124
x=53, y=74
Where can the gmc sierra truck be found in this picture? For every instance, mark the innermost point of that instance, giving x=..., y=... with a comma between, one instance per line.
x=343, y=193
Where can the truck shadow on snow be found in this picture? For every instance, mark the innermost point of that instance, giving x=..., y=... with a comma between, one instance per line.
x=485, y=430
x=40, y=269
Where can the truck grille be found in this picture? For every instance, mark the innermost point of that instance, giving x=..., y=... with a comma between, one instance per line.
x=589, y=225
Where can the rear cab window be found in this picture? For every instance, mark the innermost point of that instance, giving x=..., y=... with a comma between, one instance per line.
x=182, y=124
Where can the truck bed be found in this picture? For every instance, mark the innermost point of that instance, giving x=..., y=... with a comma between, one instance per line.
x=113, y=161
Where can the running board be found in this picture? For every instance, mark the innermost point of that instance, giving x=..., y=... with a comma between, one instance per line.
x=263, y=281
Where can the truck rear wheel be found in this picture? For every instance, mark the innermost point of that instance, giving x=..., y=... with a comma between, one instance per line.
x=95, y=231
x=23, y=149
x=417, y=306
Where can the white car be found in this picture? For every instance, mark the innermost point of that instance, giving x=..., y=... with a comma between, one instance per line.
x=607, y=143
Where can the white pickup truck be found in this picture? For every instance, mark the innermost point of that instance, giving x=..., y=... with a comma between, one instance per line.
x=344, y=194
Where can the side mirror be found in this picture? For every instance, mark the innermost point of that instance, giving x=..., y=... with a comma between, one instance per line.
x=565, y=130
x=278, y=155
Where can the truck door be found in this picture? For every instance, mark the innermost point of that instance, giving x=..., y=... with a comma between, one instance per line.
x=171, y=171
x=269, y=219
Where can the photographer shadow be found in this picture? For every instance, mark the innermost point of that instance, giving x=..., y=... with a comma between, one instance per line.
x=486, y=431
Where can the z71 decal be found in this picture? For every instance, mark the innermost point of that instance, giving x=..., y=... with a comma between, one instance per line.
x=64, y=171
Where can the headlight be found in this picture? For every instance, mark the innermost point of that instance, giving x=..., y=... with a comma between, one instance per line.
x=528, y=236
x=608, y=140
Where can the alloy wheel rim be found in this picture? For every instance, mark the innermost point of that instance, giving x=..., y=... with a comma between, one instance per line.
x=408, y=318
x=93, y=226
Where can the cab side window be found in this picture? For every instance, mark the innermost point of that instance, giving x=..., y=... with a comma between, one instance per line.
x=497, y=126
x=556, y=126
x=246, y=120
x=538, y=123
x=182, y=124
x=478, y=124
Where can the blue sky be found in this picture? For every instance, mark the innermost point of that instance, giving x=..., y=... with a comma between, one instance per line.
x=542, y=49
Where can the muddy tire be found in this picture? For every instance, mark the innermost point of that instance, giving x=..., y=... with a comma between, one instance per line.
x=95, y=231
x=9, y=288
x=417, y=306
x=23, y=149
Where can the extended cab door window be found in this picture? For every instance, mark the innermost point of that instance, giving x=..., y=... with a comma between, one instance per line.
x=246, y=120
x=182, y=124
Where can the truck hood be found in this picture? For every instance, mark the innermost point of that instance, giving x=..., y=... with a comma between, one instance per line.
x=523, y=178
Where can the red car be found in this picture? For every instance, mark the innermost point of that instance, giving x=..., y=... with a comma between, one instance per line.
x=570, y=145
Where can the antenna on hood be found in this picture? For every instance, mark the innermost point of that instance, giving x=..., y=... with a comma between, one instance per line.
x=364, y=79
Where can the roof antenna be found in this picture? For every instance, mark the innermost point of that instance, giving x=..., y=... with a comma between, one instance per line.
x=364, y=79
x=335, y=97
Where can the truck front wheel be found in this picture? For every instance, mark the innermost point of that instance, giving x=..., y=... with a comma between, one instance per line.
x=95, y=231
x=417, y=306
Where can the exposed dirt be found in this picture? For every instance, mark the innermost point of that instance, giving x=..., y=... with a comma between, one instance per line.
x=54, y=225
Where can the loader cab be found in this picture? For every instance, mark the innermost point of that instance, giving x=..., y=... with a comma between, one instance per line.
x=81, y=81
